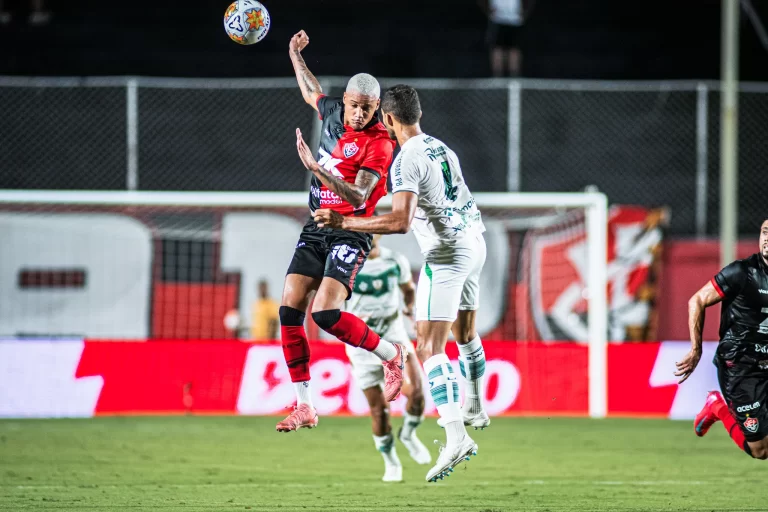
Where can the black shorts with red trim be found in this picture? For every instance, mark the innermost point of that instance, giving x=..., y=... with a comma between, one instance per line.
x=743, y=379
x=328, y=252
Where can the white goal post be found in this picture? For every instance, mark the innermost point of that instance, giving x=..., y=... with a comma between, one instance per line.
x=594, y=204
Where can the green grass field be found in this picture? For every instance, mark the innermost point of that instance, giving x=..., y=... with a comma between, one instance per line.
x=241, y=463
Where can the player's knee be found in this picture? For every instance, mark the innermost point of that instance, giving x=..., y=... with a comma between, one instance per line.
x=327, y=318
x=291, y=316
x=417, y=395
x=424, y=350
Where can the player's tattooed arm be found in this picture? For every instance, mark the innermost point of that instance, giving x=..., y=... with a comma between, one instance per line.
x=310, y=87
x=399, y=221
x=356, y=193
x=697, y=305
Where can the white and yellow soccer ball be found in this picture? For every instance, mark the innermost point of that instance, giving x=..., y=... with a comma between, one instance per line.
x=246, y=21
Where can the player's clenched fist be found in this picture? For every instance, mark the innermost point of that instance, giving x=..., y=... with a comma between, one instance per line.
x=328, y=218
x=299, y=41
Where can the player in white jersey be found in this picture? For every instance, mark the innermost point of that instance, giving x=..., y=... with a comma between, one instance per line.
x=431, y=197
x=381, y=288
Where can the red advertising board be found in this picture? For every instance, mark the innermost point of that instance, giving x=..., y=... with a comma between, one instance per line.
x=48, y=378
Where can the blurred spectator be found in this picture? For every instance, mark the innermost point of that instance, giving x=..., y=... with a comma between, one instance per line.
x=38, y=14
x=505, y=21
x=265, y=320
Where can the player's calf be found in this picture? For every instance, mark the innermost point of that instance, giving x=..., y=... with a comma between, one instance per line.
x=353, y=331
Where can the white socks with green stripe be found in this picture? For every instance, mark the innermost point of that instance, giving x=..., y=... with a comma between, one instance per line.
x=472, y=367
x=410, y=424
x=386, y=446
x=444, y=389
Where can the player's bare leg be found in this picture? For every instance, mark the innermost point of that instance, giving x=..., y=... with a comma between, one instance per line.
x=382, y=434
x=444, y=388
x=472, y=368
x=327, y=314
x=413, y=388
x=297, y=293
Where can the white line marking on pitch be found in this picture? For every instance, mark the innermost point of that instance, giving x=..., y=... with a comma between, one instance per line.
x=619, y=482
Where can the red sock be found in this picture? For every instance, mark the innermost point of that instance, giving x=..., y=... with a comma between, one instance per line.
x=731, y=425
x=295, y=344
x=348, y=328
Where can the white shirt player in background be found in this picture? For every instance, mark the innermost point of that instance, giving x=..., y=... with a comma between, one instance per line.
x=431, y=197
x=383, y=291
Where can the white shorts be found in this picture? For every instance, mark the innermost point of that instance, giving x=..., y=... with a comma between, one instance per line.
x=450, y=280
x=366, y=366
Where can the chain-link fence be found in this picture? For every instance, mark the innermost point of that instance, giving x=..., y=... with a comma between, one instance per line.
x=647, y=143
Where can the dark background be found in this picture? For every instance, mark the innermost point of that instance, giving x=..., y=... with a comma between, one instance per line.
x=598, y=39
x=637, y=147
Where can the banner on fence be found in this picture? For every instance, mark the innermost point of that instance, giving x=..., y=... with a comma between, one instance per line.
x=82, y=378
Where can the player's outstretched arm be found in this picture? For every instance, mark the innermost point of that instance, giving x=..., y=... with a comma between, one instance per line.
x=697, y=305
x=399, y=221
x=310, y=87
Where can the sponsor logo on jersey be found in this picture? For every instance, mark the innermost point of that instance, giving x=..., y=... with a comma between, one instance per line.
x=326, y=197
x=762, y=349
x=398, y=171
x=350, y=149
x=747, y=408
x=435, y=153
x=764, y=292
x=751, y=424
x=329, y=163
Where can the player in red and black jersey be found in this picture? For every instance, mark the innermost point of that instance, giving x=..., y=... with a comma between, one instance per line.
x=349, y=176
x=742, y=354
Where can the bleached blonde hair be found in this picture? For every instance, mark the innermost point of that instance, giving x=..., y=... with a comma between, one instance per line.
x=365, y=84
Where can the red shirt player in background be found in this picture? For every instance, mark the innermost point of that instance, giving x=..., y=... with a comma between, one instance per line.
x=349, y=176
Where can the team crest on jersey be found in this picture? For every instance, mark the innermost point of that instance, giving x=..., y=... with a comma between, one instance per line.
x=350, y=149
x=751, y=424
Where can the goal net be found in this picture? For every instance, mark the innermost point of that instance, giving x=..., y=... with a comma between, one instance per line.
x=153, y=265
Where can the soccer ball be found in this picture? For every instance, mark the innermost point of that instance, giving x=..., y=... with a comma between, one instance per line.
x=246, y=21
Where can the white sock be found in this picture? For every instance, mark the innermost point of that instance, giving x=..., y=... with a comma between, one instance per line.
x=472, y=367
x=302, y=393
x=385, y=350
x=386, y=446
x=455, y=431
x=445, y=393
x=410, y=424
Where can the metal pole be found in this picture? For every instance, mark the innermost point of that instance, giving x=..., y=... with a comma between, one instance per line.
x=702, y=139
x=729, y=131
x=132, y=134
x=597, y=315
x=513, y=136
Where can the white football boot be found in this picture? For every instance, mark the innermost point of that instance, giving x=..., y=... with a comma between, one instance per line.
x=415, y=447
x=477, y=421
x=450, y=457
x=392, y=473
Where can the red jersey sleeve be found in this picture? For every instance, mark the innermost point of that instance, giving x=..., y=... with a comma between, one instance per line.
x=378, y=156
